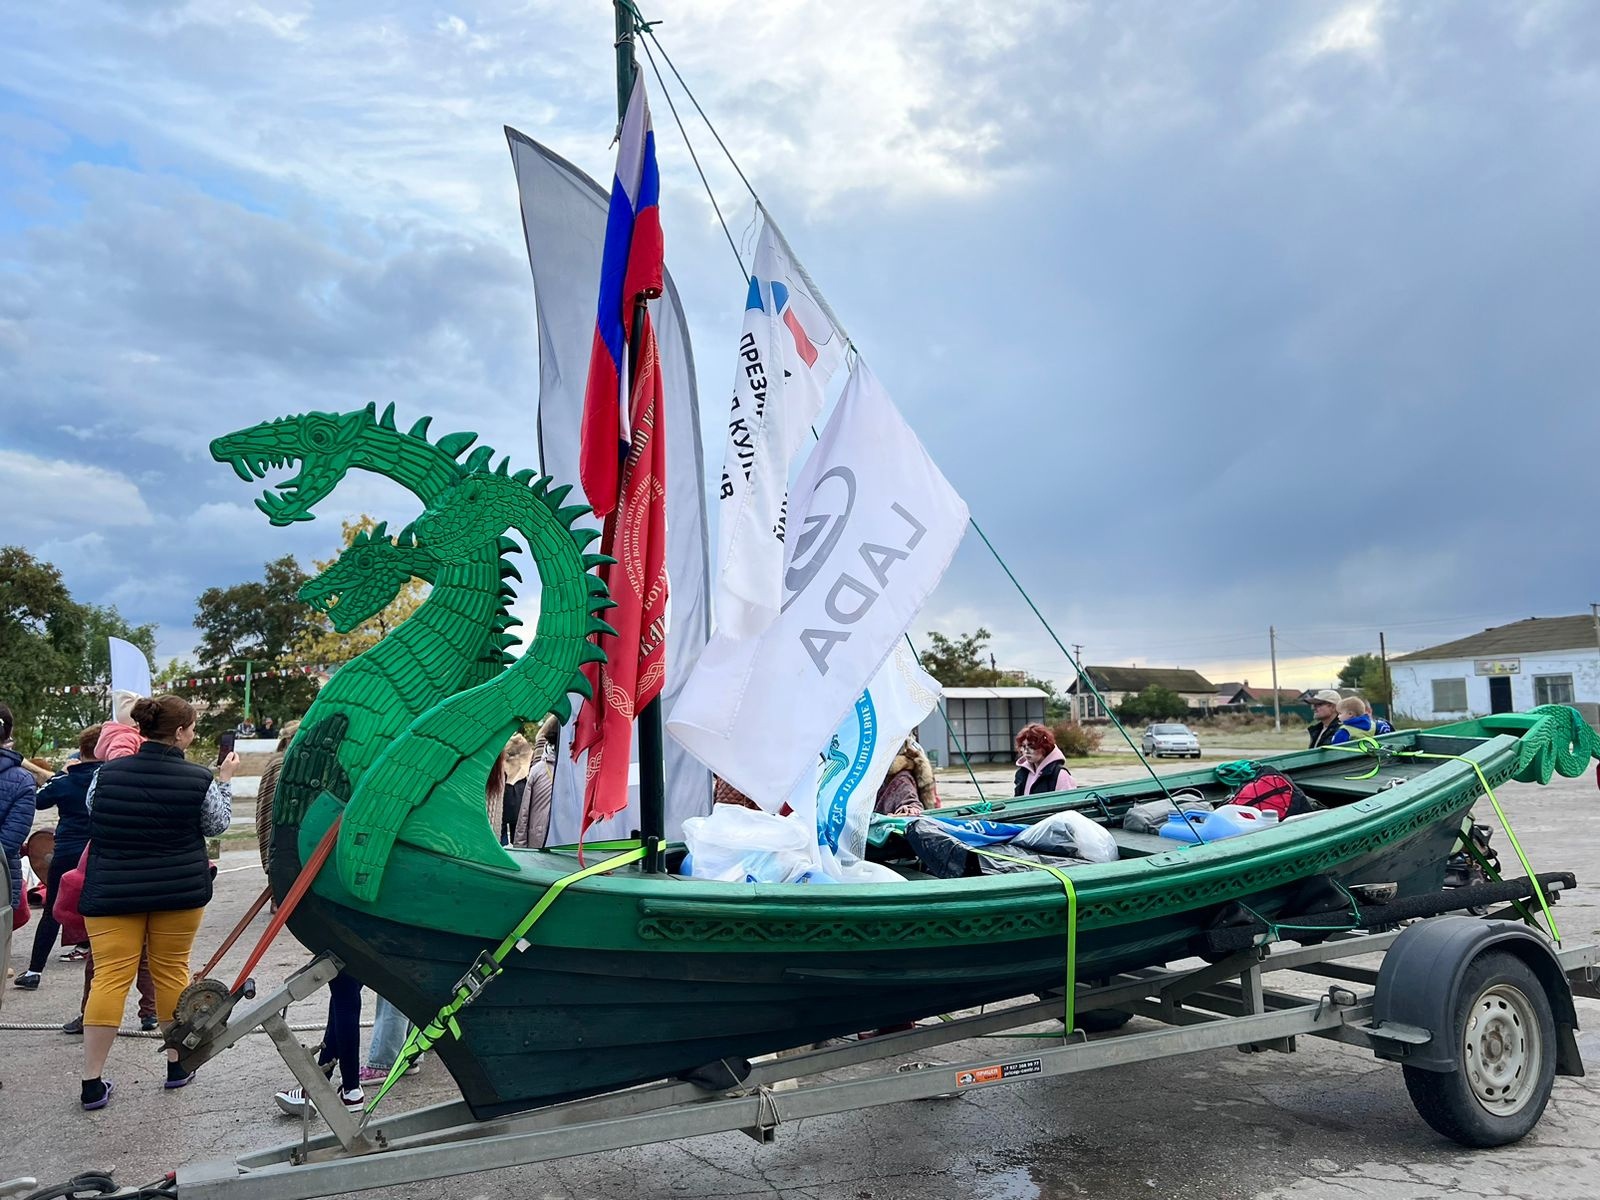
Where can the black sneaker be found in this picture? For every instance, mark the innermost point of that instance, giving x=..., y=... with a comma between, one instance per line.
x=73, y=1026
x=149, y=1024
x=28, y=981
x=97, y=1096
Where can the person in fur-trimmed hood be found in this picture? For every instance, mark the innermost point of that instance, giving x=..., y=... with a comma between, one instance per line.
x=910, y=786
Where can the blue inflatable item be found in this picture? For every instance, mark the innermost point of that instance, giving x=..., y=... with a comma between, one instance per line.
x=979, y=833
x=1228, y=821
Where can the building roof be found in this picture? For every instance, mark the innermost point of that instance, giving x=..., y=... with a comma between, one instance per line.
x=1520, y=637
x=1285, y=695
x=995, y=693
x=1135, y=679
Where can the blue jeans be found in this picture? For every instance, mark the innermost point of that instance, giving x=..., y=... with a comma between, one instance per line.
x=389, y=1032
x=341, y=1041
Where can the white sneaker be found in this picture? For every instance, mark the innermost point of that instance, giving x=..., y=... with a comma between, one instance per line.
x=294, y=1102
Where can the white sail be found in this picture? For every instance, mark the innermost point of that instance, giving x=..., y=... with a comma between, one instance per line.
x=564, y=221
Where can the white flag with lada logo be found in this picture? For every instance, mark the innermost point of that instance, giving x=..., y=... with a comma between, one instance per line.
x=873, y=526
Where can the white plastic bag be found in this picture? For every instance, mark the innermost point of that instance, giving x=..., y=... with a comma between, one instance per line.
x=741, y=845
x=1072, y=831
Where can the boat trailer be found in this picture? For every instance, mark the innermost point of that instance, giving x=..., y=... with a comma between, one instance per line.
x=1478, y=1012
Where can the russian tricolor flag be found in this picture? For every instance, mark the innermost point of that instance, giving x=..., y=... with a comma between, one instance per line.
x=630, y=269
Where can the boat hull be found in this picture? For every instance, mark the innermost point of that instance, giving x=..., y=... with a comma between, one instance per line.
x=631, y=978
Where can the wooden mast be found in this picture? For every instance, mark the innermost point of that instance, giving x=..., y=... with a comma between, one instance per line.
x=652, y=750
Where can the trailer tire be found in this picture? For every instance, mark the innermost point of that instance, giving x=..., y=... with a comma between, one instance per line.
x=1103, y=1020
x=1506, y=1036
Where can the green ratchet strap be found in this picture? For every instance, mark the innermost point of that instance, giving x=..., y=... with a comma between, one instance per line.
x=489, y=965
x=1070, y=1017
x=1373, y=747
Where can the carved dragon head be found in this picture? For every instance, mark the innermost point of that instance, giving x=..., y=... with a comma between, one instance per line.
x=366, y=577
x=322, y=444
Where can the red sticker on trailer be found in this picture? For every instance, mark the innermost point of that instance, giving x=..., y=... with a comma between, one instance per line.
x=994, y=1074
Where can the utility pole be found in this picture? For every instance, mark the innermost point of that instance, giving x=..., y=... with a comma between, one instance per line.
x=1277, y=712
x=247, y=665
x=1388, y=689
x=1595, y=608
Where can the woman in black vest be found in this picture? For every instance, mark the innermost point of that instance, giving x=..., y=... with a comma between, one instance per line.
x=148, y=878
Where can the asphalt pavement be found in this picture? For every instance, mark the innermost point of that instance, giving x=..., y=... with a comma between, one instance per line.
x=1328, y=1121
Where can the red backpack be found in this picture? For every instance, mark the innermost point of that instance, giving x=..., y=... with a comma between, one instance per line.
x=1272, y=791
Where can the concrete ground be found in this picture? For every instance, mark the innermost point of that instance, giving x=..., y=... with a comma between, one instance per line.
x=1327, y=1122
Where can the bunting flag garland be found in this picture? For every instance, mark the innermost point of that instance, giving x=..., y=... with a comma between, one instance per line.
x=176, y=685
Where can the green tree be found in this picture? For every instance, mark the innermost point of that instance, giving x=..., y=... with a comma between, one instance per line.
x=64, y=715
x=1154, y=703
x=965, y=661
x=259, y=622
x=961, y=661
x=1365, y=673
x=41, y=637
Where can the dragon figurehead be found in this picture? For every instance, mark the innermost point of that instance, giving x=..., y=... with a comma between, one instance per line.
x=367, y=576
x=323, y=445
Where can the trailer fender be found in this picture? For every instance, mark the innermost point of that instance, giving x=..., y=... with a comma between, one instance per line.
x=1419, y=988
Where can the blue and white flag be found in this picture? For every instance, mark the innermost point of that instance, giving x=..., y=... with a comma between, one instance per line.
x=857, y=758
x=788, y=350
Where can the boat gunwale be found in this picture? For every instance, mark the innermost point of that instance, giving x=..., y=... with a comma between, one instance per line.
x=670, y=908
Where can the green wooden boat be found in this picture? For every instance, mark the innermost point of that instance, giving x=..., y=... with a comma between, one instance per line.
x=631, y=977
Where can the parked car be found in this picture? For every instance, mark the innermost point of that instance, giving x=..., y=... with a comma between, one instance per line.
x=1179, y=740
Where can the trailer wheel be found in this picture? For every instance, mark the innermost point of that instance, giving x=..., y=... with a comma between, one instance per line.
x=1505, y=1035
x=1103, y=1020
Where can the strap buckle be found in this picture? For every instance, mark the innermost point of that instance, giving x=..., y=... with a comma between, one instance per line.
x=484, y=971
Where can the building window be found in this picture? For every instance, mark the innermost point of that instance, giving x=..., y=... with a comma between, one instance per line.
x=1449, y=695
x=1090, y=708
x=1552, y=689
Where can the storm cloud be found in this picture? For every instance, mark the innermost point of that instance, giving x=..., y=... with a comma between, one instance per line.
x=1219, y=316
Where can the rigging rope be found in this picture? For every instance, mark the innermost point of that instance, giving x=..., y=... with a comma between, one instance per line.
x=648, y=29
x=744, y=275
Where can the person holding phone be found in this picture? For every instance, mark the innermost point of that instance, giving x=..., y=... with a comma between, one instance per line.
x=148, y=877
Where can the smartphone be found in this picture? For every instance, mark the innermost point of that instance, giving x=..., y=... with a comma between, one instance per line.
x=225, y=745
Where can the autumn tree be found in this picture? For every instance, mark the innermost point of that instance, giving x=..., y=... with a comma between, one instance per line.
x=323, y=643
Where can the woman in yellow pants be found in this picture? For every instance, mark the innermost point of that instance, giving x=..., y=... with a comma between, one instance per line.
x=148, y=879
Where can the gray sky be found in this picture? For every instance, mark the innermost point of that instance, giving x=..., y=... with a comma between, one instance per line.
x=1219, y=315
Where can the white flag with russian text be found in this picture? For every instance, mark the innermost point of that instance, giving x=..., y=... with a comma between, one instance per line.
x=874, y=525
x=788, y=350
x=841, y=796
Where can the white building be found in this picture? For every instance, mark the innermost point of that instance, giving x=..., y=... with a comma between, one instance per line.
x=984, y=721
x=1115, y=684
x=1510, y=668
